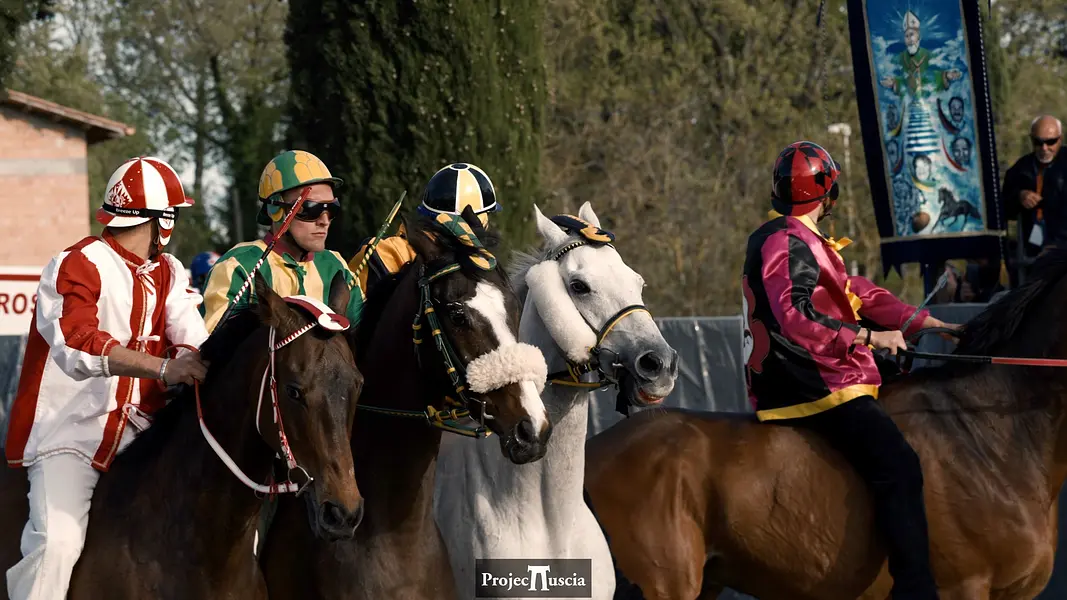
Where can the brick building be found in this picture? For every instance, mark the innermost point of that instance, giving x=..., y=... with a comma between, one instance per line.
x=44, y=163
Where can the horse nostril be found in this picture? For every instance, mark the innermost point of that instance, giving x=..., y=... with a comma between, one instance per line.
x=674, y=362
x=525, y=432
x=332, y=515
x=649, y=364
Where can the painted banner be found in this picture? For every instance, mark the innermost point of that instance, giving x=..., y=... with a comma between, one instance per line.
x=18, y=298
x=927, y=129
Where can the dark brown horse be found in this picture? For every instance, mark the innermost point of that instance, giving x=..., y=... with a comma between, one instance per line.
x=772, y=511
x=169, y=520
x=398, y=553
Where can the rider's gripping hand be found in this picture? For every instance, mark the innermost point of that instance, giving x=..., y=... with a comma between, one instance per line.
x=185, y=369
x=888, y=340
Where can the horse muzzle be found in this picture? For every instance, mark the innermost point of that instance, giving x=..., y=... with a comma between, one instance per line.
x=331, y=521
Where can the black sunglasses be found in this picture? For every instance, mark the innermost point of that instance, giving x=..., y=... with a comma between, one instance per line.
x=311, y=210
x=1048, y=142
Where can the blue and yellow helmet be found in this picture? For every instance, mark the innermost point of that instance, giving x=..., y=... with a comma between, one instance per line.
x=457, y=186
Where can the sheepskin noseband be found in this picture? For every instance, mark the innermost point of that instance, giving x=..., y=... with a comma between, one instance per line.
x=513, y=363
x=562, y=319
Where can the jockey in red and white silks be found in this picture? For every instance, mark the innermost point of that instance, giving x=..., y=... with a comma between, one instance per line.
x=107, y=307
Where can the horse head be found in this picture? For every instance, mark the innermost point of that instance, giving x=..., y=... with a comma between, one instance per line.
x=590, y=302
x=317, y=386
x=472, y=347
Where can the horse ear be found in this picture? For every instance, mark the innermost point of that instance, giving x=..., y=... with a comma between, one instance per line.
x=272, y=309
x=421, y=240
x=551, y=232
x=586, y=213
x=340, y=294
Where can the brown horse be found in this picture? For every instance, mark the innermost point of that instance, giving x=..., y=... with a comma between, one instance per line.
x=398, y=553
x=169, y=519
x=772, y=511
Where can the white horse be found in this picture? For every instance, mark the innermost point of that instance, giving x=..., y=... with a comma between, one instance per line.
x=578, y=294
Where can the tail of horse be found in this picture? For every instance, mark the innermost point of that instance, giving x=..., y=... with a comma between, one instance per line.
x=624, y=588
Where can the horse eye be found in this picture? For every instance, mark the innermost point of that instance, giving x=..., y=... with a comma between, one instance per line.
x=579, y=287
x=294, y=393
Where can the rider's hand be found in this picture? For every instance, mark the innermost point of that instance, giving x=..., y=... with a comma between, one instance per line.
x=185, y=369
x=932, y=322
x=1029, y=199
x=888, y=340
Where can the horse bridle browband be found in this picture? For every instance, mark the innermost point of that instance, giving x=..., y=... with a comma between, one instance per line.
x=572, y=376
x=449, y=418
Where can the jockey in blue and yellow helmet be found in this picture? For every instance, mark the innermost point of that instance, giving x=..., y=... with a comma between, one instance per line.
x=451, y=190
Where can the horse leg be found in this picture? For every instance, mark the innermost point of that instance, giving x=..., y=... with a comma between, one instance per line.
x=670, y=566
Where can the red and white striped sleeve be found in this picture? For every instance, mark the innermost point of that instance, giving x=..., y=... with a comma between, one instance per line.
x=67, y=315
x=183, y=321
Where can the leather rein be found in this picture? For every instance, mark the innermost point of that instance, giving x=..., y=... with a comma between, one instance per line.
x=905, y=358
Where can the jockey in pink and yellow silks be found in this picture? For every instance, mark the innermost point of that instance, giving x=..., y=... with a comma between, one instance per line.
x=809, y=362
x=107, y=308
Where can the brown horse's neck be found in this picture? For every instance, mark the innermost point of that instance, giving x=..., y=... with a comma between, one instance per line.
x=171, y=468
x=1004, y=423
x=395, y=457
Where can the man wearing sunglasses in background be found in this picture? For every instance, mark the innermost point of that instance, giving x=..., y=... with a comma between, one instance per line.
x=1035, y=188
x=299, y=263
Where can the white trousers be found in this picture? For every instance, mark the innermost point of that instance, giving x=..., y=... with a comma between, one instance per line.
x=61, y=489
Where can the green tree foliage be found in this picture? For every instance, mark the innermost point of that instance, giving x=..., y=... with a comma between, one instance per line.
x=54, y=63
x=214, y=79
x=14, y=14
x=386, y=93
x=668, y=116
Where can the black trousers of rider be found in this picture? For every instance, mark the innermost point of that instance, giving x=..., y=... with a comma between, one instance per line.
x=862, y=431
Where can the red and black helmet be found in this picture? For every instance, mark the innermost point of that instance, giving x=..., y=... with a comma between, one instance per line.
x=804, y=174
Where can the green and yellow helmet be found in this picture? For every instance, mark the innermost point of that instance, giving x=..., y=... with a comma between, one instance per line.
x=291, y=169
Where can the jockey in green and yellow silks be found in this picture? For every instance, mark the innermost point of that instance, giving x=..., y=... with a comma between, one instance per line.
x=449, y=191
x=299, y=263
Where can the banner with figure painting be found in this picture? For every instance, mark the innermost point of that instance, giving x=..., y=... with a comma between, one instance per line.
x=927, y=129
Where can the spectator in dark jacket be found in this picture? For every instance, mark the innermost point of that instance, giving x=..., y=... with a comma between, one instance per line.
x=1035, y=188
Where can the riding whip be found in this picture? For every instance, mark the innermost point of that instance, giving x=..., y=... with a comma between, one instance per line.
x=378, y=237
x=281, y=231
x=941, y=282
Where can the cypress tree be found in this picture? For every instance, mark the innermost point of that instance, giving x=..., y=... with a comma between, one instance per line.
x=386, y=92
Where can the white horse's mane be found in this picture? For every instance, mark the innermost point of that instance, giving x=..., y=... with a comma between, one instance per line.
x=522, y=262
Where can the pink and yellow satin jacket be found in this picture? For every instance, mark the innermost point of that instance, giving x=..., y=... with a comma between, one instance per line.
x=802, y=313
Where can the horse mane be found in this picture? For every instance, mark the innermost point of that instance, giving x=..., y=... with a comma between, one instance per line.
x=379, y=296
x=459, y=252
x=950, y=397
x=219, y=350
x=522, y=262
x=373, y=306
x=987, y=333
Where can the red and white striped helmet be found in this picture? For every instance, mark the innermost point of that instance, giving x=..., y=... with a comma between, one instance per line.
x=140, y=189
